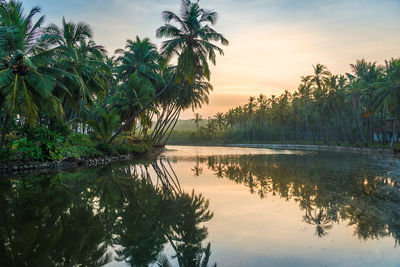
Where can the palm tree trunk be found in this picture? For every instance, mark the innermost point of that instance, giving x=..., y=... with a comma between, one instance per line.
x=128, y=121
x=4, y=130
x=169, y=134
x=394, y=129
x=382, y=131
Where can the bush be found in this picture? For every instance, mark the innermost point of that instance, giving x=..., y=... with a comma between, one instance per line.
x=106, y=149
x=38, y=144
x=80, y=145
x=80, y=151
x=79, y=140
x=140, y=148
x=129, y=148
x=122, y=149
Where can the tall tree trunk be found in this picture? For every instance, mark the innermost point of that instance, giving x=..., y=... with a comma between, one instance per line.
x=128, y=121
x=169, y=134
x=394, y=133
x=4, y=130
x=382, y=131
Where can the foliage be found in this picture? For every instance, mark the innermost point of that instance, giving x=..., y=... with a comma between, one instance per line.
x=106, y=124
x=57, y=77
x=38, y=144
x=79, y=145
x=358, y=109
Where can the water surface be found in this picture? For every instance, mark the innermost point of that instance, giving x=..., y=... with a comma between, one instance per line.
x=230, y=206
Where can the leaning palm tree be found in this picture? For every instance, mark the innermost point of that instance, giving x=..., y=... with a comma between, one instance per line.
x=192, y=42
x=26, y=81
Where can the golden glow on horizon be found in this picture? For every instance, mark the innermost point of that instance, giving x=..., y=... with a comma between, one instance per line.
x=279, y=56
x=272, y=42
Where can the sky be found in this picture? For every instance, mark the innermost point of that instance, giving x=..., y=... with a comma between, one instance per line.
x=272, y=42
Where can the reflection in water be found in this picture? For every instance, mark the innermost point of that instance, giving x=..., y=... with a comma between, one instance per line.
x=329, y=189
x=139, y=215
x=90, y=218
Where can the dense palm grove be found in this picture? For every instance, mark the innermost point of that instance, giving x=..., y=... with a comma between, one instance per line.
x=62, y=95
x=359, y=108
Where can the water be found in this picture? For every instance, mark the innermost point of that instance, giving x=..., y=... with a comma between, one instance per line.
x=245, y=207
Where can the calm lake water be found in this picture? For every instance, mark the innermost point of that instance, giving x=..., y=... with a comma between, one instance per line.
x=230, y=206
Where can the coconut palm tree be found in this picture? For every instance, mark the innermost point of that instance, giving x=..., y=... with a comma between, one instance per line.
x=321, y=74
x=83, y=62
x=388, y=93
x=197, y=119
x=191, y=41
x=141, y=57
x=26, y=82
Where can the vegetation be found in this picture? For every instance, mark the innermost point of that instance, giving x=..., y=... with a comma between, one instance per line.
x=359, y=108
x=90, y=218
x=56, y=83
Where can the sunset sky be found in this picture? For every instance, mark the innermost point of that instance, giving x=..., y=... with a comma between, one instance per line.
x=272, y=42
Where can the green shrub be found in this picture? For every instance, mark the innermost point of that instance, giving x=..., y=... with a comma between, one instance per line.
x=106, y=149
x=140, y=148
x=122, y=149
x=79, y=140
x=38, y=144
x=80, y=145
x=80, y=151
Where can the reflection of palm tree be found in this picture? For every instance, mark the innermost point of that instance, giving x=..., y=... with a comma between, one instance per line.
x=187, y=234
x=157, y=212
x=321, y=221
x=58, y=229
x=313, y=182
x=197, y=169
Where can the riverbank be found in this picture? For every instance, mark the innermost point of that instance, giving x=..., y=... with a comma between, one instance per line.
x=73, y=163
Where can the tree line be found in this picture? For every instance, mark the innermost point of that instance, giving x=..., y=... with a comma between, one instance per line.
x=56, y=78
x=357, y=108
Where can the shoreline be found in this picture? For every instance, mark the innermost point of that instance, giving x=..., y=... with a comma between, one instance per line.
x=364, y=150
x=74, y=163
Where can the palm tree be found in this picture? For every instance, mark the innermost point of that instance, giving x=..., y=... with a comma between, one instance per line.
x=191, y=41
x=25, y=80
x=388, y=93
x=81, y=63
x=141, y=57
x=321, y=73
x=107, y=124
x=197, y=119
